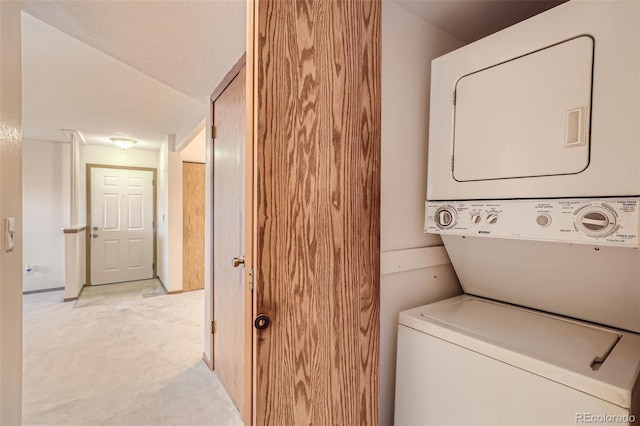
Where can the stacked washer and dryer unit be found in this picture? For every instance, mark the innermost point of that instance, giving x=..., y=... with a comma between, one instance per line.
x=534, y=185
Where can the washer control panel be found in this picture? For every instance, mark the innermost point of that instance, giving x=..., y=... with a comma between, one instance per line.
x=602, y=221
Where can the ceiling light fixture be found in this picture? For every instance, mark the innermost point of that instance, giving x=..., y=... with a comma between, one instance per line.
x=124, y=143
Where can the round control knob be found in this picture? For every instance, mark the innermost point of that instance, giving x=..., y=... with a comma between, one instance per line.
x=492, y=217
x=476, y=218
x=445, y=217
x=596, y=221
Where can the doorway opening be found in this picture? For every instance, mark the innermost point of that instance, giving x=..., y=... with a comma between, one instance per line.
x=121, y=217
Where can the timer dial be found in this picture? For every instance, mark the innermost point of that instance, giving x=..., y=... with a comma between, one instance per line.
x=446, y=217
x=596, y=221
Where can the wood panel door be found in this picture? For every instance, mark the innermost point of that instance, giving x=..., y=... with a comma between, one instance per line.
x=121, y=227
x=317, y=241
x=229, y=314
x=193, y=226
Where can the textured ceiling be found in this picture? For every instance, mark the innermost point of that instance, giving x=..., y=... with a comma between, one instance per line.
x=143, y=49
x=470, y=20
x=187, y=45
x=67, y=84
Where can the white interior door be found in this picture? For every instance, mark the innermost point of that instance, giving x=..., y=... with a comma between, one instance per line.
x=121, y=225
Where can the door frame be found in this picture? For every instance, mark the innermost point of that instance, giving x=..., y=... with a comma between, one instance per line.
x=248, y=230
x=88, y=216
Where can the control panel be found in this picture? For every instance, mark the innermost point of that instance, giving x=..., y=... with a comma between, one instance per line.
x=603, y=221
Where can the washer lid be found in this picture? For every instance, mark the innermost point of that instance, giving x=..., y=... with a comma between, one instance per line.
x=595, y=360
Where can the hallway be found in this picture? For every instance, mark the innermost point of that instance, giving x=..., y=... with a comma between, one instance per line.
x=123, y=354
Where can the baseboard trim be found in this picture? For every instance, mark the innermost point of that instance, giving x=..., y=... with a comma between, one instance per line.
x=44, y=290
x=207, y=361
x=175, y=292
x=392, y=262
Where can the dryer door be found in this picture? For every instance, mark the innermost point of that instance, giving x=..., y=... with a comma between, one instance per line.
x=526, y=117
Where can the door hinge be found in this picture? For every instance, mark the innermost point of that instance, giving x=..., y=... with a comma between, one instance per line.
x=153, y=224
x=452, y=163
x=251, y=274
x=153, y=266
x=153, y=182
x=213, y=132
x=454, y=97
x=213, y=327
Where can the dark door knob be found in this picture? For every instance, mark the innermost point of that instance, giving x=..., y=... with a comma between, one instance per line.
x=261, y=322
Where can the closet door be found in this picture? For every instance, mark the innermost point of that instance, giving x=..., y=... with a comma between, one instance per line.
x=231, y=342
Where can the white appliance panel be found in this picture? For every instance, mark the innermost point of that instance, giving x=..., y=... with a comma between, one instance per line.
x=594, y=283
x=614, y=148
x=525, y=117
x=609, y=221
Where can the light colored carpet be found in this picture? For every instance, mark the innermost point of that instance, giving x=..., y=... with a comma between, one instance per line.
x=131, y=360
x=114, y=294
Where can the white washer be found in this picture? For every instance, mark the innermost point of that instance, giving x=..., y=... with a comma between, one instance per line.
x=472, y=361
x=534, y=187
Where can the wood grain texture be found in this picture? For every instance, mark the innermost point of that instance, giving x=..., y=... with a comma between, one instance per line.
x=318, y=212
x=193, y=226
x=228, y=240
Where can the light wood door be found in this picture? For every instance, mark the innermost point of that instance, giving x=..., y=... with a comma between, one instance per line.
x=228, y=240
x=121, y=225
x=193, y=226
x=317, y=266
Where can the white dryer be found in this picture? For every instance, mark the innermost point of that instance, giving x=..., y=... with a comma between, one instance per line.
x=534, y=186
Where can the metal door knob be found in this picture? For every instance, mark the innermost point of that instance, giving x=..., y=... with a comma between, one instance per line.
x=95, y=235
x=237, y=262
x=95, y=228
x=261, y=322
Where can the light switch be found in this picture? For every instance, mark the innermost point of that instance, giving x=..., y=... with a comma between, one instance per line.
x=10, y=232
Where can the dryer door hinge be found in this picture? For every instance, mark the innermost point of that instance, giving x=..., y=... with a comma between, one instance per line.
x=213, y=132
x=213, y=327
x=251, y=274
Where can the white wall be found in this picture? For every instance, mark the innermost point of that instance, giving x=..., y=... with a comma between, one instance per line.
x=75, y=271
x=408, y=45
x=163, y=224
x=45, y=211
x=170, y=217
x=195, y=151
x=175, y=222
x=10, y=206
